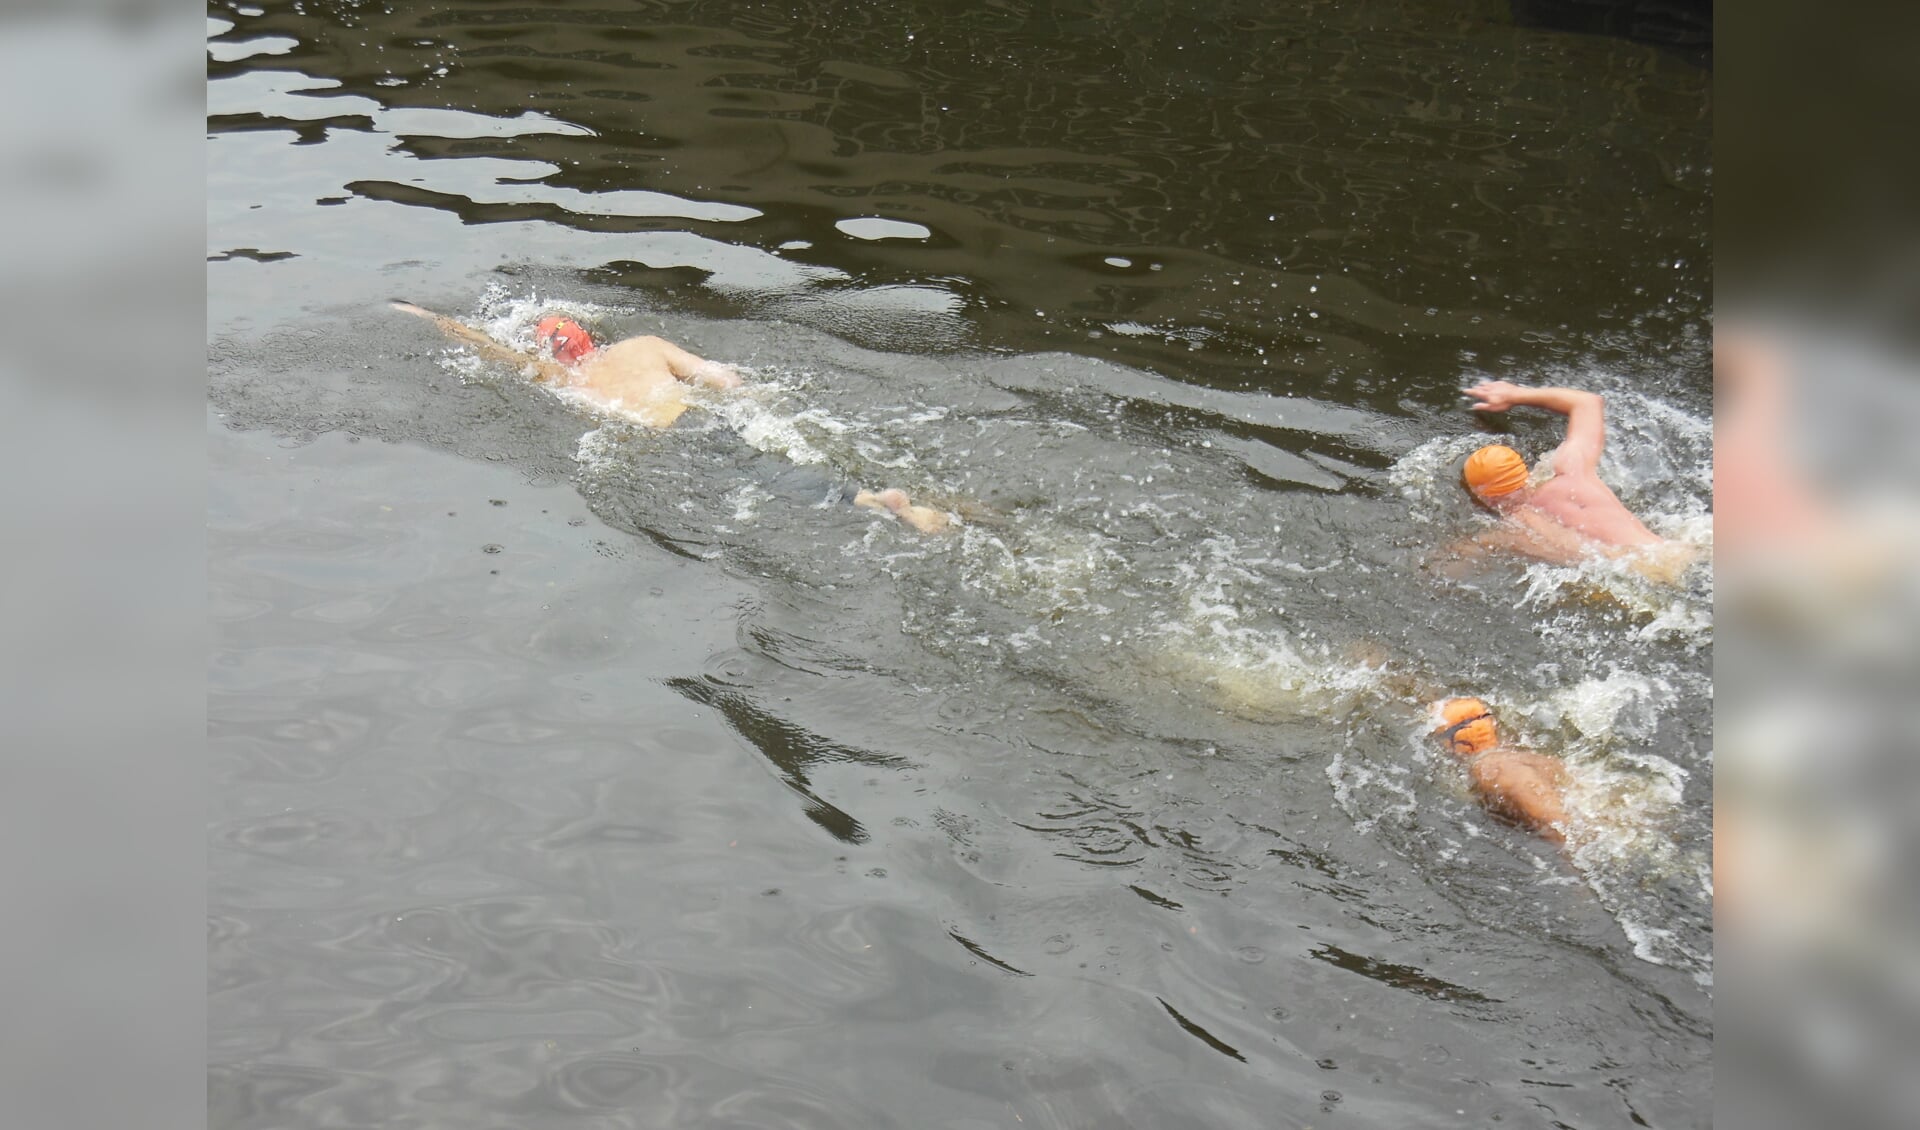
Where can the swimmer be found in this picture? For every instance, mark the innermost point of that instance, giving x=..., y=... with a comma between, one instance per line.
x=895, y=502
x=643, y=378
x=1527, y=788
x=1572, y=516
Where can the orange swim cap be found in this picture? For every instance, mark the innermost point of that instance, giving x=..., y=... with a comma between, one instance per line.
x=565, y=337
x=1494, y=470
x=1467, y=725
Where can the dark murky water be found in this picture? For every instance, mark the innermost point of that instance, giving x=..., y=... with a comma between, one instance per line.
x=569, y=774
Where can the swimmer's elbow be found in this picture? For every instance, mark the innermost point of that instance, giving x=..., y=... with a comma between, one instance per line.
x=1579, y=402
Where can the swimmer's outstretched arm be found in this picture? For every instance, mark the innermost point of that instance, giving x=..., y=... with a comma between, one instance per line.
x=1585, y=412
x=544, y=370
x=1501, y=539
x=1393, y=676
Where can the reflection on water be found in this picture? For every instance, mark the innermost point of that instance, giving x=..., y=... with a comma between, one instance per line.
x=1112, y=807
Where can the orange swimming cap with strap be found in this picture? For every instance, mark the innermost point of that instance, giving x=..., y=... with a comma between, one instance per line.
x=1495, y=470
x=568, y=340
x=1467, y=725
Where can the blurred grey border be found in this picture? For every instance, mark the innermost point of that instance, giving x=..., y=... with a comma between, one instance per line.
x=102, y=406
x=1817, y=530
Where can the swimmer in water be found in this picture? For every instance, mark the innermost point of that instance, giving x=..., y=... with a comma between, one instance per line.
x=644, y=378
x=895, y=502
x=1572, y=516
x=1527, y=788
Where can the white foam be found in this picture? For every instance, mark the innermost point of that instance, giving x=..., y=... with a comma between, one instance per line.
x=1367, y=792
x=1623, y=701
x=1623, y=799
x=771, y=432
x=595, y=448
x=1428, y=475
x=511, y=320
x=745, y=500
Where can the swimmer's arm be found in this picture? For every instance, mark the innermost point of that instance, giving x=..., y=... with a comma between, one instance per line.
x=1586, y=438
x=1503, y=538
x=544, y=371
x=697, y=370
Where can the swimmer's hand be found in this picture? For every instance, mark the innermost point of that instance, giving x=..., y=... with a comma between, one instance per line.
x=1495, y=396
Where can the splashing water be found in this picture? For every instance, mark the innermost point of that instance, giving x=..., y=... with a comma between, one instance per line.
x=1625, y=790
x=1070, y=588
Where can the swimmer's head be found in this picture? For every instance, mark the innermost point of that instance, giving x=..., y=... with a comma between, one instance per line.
x=1466, y=725
x=1494, y=473
x=567, y=339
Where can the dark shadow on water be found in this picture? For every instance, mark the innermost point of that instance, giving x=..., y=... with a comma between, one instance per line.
x=1204, y=1036
x=790, y=749
x=973, y=948
x=1399, y=976
x=1160, y=901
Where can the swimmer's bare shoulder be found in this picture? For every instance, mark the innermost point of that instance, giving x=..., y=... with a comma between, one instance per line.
x=647, y=356
x=1523, y=786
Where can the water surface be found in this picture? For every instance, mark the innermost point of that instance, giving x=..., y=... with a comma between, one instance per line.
x=569, y=773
